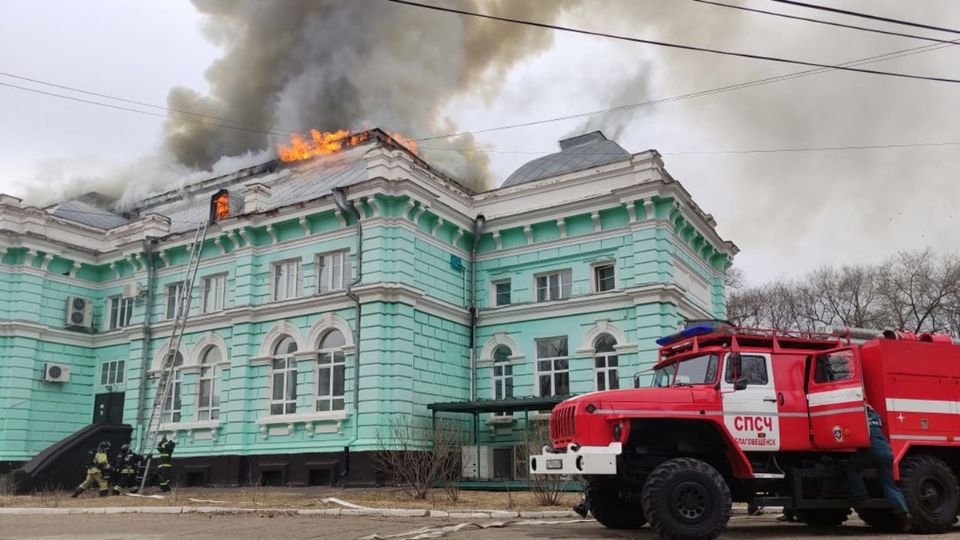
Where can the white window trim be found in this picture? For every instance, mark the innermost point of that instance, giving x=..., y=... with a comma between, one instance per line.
x=346, y=271
x=289, y=370
x=223, y=293
x=595, y=283
x=298, y=282
x=168, y=288
x=560, y=272
x=316, y=379
x=176, y=386
x=217, y=368
x=605, y=370
x=493, y=292
x=553, y=371
x=118, y=373
x=108, y=319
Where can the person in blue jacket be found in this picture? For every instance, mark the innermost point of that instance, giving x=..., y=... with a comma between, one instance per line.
x=878, y=455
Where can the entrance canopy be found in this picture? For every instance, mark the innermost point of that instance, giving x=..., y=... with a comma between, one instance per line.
x=525, y=404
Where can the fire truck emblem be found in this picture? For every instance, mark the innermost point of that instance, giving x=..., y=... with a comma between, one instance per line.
x=838, y=433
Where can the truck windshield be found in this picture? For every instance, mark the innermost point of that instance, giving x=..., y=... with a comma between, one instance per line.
x=696, y=370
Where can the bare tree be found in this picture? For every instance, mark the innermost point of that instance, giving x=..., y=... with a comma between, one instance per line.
x=547, y=489
x=415, y=456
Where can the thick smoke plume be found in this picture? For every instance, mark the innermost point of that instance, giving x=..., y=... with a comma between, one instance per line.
x=297, y=65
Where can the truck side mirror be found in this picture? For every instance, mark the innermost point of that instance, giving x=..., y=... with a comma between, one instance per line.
x=740, y=384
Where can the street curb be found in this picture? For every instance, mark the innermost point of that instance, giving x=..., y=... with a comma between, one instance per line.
x=329, y=512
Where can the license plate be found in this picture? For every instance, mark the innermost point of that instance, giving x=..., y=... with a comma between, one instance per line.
x=554, y=464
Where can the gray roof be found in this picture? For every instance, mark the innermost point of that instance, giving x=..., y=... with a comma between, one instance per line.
x=576, y=154
x=87, y=214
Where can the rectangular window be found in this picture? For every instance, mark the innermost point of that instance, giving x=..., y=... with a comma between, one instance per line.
x=834, y=367
x=754, y=370
x=121, y=310
x=112, y=372
x=554, y=286
x=208, y=393
x=553, y=368
x=501, y=292
x=603, y=278
x=286, y=279
x=333, y=271
x=284, y=397
x=605, y=371
x=173, y=404
x=331, y=368
x=174, y=292
x=214, y=293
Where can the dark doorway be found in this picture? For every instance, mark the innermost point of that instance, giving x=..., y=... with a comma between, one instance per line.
x=108, y=408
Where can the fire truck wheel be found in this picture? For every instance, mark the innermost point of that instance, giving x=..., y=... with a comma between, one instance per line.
x=610, y=510
x=930, y=488
x=686, y=499
x=825, y=517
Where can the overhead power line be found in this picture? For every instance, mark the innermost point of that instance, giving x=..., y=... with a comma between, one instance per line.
x=673, y=45
x=821, y=21
x=868, y=16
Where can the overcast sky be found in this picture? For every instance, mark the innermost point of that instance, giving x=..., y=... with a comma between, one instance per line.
x=787, y=211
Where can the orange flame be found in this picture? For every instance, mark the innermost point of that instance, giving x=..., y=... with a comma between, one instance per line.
x=222, y=205
x=322, y=143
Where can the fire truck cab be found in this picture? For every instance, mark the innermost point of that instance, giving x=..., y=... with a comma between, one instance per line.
x=768, y=417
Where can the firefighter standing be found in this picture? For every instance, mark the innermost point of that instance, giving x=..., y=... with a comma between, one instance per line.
x=165, y=462
x=126, y=463
x=879, y=455
x=98, y=468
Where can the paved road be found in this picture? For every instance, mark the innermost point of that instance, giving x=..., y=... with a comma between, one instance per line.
x=244, y=527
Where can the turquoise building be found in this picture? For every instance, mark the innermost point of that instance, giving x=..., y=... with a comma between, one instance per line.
x=556, y=283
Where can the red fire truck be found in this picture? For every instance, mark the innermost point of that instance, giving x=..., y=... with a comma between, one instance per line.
x=767, y=417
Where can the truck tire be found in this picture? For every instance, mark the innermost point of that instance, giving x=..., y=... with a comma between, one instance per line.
x=823, y=517
x=881, y=519
x=610, y=510
x=932, y=494
x=686, y=499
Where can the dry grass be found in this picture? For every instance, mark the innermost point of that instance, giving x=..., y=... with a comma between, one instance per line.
x=278, y=497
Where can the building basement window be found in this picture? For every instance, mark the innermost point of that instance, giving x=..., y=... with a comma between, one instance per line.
x=553, y=367
x=121, y=310
x=554, y=286
x=112, y=372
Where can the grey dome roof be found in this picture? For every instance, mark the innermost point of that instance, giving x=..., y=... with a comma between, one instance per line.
x=576, y=154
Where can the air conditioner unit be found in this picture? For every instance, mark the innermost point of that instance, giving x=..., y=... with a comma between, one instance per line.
x=476, y=462
x=79, y=312
x=58, y=373
x=131, y=290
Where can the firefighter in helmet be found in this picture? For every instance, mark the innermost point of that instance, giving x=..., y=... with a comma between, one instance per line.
x=165, y=462
x=126, y=464
x=98, y=470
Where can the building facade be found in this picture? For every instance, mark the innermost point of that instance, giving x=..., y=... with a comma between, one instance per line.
x=579, y=261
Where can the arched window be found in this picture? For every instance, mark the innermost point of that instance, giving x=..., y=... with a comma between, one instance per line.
x=605, y=363
x=331, y=368
x=502, y=374
x=208, y=390
x=172, y=405
x=283, y=397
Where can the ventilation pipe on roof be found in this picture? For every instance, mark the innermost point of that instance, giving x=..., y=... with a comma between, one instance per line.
x=478, y=224
x=148, y=249
x=348, y=208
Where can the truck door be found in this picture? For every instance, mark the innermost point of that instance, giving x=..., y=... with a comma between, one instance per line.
x=835, y=400
x=750, y=402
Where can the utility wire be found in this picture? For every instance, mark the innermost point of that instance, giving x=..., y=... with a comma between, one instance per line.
x=868, y=16
x=820, y=21
x=135, y=102
x=673, y=45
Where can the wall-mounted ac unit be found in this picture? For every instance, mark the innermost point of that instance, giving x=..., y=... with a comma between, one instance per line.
x=58, y=373
x=79, y=312
x=131, y=290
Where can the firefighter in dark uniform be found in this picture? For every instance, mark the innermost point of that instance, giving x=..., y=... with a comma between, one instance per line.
x=98, y=470
x=878, y=455
x=165, y=462
x=126, y=464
